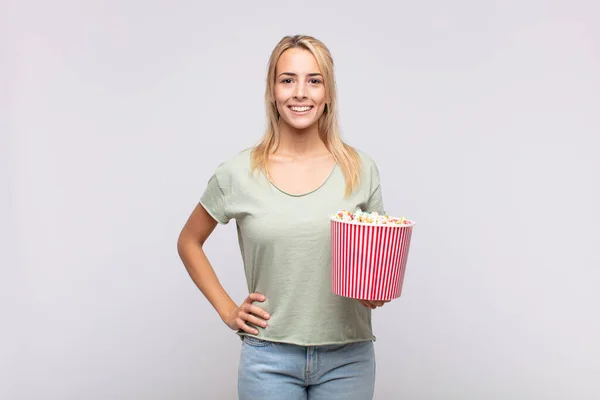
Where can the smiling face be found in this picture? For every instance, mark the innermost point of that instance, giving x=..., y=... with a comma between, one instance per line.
x=299, y=89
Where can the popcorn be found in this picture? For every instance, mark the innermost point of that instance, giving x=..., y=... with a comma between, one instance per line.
x=373, y=218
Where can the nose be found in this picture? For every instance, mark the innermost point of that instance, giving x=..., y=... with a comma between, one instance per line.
x=300, y=90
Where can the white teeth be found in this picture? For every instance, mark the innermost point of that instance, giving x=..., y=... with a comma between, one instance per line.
x=300, y=109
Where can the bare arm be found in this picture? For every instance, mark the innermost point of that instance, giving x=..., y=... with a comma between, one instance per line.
x=195, y=232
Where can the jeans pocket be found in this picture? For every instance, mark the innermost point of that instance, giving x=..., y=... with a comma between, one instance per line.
x=256, y=342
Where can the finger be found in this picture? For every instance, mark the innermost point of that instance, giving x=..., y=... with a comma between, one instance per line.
x=258, y=311
x=242, y=325
x=254, y=320
x=367, y=304
x=378, y=303
x=252, y=309
x=255, y=297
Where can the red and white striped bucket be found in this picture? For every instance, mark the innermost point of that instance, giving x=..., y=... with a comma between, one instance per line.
x=368, y=261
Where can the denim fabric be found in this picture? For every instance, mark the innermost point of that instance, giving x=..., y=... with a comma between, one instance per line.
x=274, y=371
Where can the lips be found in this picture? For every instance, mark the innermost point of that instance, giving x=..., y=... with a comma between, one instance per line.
x=300, y=110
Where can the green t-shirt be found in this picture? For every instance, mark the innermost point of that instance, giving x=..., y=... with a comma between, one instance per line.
x=285, y=245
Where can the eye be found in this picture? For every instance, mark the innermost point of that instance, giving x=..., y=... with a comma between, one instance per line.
x=286, y=80
x=316, y=81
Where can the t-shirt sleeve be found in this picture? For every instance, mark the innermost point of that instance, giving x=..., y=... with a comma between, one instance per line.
x=375, y=202
x=214, y=199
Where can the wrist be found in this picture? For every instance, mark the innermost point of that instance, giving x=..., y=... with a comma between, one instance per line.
x=226, y=310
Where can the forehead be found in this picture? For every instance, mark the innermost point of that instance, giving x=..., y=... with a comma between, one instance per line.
x=298, y=61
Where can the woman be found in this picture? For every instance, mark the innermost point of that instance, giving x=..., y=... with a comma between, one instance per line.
x=300, y=341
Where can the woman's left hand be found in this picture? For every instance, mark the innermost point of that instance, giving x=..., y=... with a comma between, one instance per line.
x=372, y=304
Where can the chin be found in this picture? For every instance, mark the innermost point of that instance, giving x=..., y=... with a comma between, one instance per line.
x=300, y=125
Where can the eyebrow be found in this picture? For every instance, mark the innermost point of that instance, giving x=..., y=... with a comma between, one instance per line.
x=293, y=74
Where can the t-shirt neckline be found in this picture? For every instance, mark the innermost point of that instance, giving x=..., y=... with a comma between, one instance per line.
x=306, y=193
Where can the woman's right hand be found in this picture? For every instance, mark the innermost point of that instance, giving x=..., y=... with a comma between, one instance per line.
x=373, y=304
x=248, y=312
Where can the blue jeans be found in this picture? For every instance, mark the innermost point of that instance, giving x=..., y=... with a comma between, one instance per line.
x=275, y=371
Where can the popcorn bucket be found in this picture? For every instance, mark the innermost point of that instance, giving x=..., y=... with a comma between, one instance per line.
x=368, y=261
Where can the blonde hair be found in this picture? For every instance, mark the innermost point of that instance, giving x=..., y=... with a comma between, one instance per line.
x=345, y=156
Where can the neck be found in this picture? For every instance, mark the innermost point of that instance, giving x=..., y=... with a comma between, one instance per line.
x=299, y=142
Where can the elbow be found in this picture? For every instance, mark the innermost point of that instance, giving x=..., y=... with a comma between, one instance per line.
x=184, y=241
x=180, y=246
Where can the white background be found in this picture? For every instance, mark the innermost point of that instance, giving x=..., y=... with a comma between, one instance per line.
x=482, y=116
